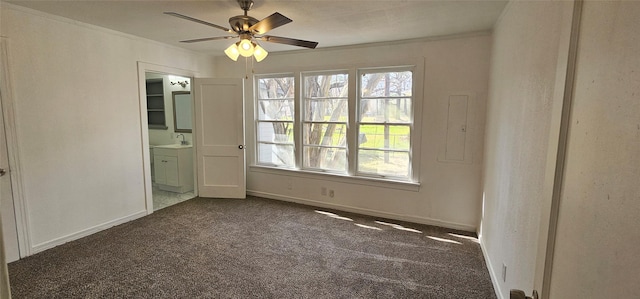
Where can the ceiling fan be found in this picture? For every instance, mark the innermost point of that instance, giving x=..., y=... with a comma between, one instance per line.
x=249, y=29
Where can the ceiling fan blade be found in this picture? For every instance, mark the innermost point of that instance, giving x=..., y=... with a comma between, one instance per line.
x=206, y=39
x=288, y=41
x=175, y=14
x=273, y=21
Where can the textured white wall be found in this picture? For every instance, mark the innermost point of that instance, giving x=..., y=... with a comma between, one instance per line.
x=596, y=254
x=523, y=98
x=78, y=121
x=449, y=194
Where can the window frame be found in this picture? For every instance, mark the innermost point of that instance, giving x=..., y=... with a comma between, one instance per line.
x=303, y=106
x=412, y=183
x=358, y=122
x=257, y=121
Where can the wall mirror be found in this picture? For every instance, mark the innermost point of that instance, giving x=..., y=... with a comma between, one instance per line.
x=182, y=111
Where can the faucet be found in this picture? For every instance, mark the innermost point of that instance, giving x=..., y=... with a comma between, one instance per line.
x=183, y=141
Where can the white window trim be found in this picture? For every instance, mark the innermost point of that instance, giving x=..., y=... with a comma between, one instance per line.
x=256, y=115
x=340, y=178
x=302, y=121
x=413, y=184
x=357, y=123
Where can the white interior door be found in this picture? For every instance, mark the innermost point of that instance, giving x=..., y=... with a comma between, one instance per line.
x=219, y=119
x=9, y=229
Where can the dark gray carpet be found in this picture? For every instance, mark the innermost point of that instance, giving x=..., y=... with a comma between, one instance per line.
x=258, y=248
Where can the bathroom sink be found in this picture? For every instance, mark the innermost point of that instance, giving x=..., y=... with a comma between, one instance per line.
x=174, y=146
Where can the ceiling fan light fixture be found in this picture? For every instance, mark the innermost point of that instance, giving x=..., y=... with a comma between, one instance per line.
x=246, y=47
x=232, y=52
x=260, y=53
x=249, y=30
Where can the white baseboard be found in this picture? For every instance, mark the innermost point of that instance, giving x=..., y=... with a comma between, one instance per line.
x=83, y=233
x=492, y=272
x=421, y=220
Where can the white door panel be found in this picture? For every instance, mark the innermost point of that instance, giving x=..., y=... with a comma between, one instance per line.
x=219, y=118
x=9, y=228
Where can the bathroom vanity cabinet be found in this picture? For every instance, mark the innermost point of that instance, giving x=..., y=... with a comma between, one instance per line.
x=173, y=167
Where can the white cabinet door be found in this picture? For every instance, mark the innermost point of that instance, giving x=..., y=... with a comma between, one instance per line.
x=219, y=119
x=159, y=170
x=171, y=171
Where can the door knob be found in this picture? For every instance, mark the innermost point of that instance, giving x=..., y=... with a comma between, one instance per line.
x=241, y=146
x=2, y=172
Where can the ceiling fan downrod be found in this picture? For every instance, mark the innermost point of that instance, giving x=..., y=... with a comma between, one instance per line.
x=246, y=5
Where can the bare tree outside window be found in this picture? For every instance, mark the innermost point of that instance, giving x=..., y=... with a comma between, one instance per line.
x=324, y=128
x=383, y=124
x=275, y=109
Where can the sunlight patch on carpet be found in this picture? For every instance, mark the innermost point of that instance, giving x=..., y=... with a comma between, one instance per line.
x=332, y=215
x=399, y=227
x=444, y=240
x=472, y=239
x=367, y=226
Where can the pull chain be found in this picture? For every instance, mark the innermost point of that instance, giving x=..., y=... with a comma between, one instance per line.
x=246, y=68
x=252, y=70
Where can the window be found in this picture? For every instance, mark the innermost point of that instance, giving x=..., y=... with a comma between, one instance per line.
x=274, y=121
x=324, y=123
x=384, y=123
x=356, y=122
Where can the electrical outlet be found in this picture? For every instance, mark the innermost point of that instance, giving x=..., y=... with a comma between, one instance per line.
x=504, y=272
x=323, y=191
x=331, y=193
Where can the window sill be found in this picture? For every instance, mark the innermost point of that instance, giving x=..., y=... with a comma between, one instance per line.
x=367, y=181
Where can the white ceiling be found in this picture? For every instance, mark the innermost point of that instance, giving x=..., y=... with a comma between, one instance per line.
x=331, y=23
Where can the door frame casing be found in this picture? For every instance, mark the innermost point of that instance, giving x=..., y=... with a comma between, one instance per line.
x=143, y=68
x=557, y=152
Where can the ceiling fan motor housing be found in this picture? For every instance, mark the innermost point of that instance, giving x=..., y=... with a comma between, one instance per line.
x=241, y=24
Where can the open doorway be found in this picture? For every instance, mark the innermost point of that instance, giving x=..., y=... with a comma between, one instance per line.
x=169, y=121
x=167, y=135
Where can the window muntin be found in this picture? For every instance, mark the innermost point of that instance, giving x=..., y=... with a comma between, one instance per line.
x=373, y=141
x=275, y=111
x=384, y=123
x=325, y=121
